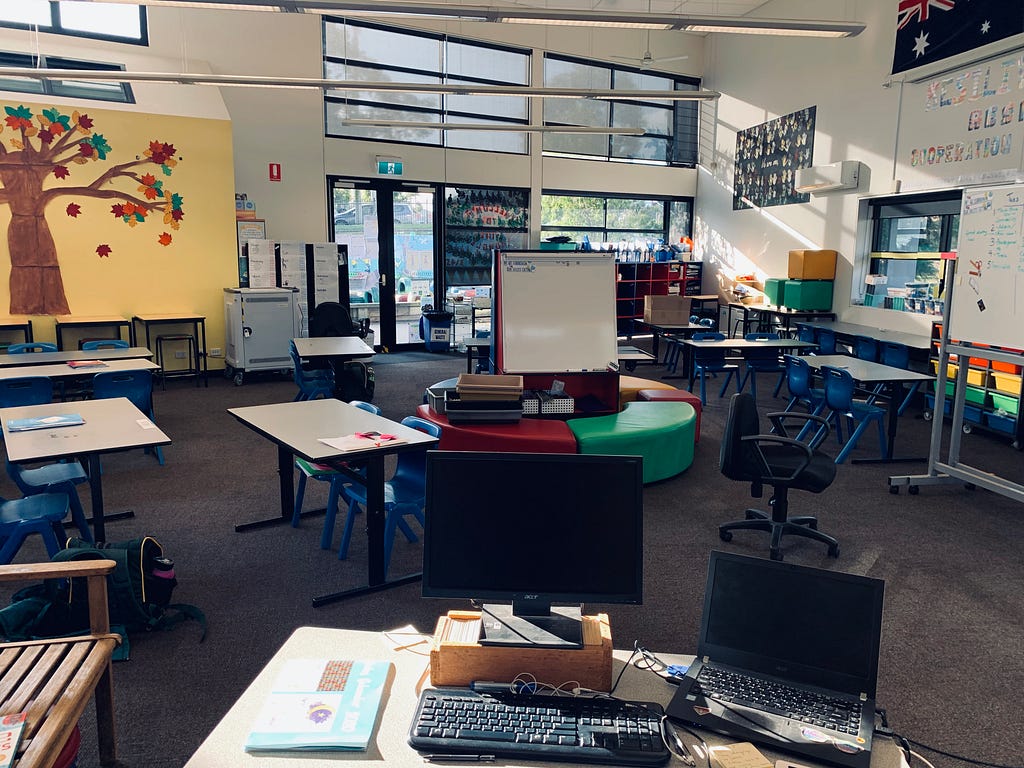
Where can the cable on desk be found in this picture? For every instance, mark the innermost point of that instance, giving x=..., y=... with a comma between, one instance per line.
x=904, y=743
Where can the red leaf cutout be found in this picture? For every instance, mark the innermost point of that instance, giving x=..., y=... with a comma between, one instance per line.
x=103, y=250
x=73, y=210
x=61, y=171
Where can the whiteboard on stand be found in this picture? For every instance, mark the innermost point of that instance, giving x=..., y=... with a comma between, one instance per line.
x=988, y=294
x=557, y=311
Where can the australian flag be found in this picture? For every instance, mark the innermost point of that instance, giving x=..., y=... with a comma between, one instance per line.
x=932, y=30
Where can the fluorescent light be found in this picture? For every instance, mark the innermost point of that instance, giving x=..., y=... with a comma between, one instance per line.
x=256, y=81
x=498, y=127
x=517, y=14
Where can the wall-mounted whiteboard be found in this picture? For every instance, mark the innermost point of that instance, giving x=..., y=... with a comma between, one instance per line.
x=988, y=293
x=557, y=311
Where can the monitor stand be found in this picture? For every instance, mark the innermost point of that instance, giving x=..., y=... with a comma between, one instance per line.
x=561, y=628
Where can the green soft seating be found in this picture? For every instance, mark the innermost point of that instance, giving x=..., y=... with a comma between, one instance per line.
x=661, y=432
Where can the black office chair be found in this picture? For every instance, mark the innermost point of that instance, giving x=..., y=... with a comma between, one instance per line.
x=779, y=461
x=330, y=318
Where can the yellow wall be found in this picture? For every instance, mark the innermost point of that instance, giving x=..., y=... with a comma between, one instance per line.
x=140, y=275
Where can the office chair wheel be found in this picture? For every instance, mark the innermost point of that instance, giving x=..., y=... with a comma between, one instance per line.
x=914, y=490
x=725, y=535
x=833, y=551
x=238, y=379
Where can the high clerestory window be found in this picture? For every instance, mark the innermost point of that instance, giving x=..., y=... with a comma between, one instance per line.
x=102, y=21
x=102, y=90
x=670, y=127
x=624, y=222
x=374, y=53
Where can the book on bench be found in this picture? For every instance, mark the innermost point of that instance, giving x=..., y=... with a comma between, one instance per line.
x=45, y=422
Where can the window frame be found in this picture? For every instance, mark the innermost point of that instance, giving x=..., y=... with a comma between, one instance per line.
x=61, y=88
x=56, y=27
x=664, y=234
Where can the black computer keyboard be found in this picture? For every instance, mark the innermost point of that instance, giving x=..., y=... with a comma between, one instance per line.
x=539, y=727
x=806, y=706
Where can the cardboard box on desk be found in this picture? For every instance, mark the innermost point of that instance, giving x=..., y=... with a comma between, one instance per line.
x=461, y=661
x=812, y=265
x=667, y=310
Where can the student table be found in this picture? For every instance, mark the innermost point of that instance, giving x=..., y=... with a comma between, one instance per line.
x=111, y=424
x=64, y=371
x=51, y=358
x=65, y=322
x=198, y=323
x=765, y=315
x=296, y=428
x=406, y=649
x=741, y=346
x=869, y=373
x=847, y=331
x=17, y=323
x=685, y=330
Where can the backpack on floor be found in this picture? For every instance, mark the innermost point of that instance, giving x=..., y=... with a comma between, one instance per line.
x=138, y=594
x=355, y=381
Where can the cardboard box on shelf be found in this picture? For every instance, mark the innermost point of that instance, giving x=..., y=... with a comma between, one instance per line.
x=667, y=310
x=812, y=265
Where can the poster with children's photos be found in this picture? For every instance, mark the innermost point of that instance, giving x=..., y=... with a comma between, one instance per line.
x=767, y=157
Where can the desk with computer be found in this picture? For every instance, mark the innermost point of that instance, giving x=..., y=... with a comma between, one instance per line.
x=786, y=658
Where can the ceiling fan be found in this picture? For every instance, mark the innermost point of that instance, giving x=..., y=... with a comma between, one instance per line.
x=648, y=60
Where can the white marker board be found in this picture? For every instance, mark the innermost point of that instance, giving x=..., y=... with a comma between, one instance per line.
x=988, y=294
x=557, y=311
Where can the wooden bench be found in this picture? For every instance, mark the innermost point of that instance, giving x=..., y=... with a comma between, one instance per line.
x=53, y=679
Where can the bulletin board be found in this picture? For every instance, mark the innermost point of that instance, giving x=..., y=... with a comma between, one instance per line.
x=556, y=311
x=988, y=296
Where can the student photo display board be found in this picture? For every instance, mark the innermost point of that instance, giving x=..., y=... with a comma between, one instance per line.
x=988, y=292
x=556, y=311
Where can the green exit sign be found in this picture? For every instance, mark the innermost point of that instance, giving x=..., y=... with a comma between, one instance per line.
x=389, y=166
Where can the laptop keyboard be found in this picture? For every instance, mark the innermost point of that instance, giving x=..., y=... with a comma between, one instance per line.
x=779, y=699
x=537, y=727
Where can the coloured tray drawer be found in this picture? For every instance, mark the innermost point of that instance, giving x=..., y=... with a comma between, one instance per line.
x=1001, y=423
x=1007, y=382
x=1005, y=403
x=975, y=395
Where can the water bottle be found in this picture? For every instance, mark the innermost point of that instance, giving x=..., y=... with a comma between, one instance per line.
x=163, y=581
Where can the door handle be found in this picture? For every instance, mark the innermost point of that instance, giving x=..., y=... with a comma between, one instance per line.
x=383, y=281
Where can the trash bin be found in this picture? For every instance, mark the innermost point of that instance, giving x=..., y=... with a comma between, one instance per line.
x=436, y=330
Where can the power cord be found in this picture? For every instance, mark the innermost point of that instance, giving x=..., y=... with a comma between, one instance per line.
x=904, y=743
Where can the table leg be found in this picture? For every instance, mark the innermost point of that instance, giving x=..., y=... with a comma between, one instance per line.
x=374, y=540
x=286, y=473
x=99, y=517
x=896, y=395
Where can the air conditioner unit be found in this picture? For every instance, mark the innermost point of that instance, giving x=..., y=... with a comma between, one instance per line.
x=828, y=178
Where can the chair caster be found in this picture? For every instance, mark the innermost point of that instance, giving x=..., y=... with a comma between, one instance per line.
x=833, y=551
x=775, y=554
x=914, y=490
x=894, y=490
x=725, y=535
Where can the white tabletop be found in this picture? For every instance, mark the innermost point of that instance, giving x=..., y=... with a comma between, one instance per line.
x=333, y=346
x=224, y=747
x=49, y=358
x=866, y=371
x=745, y=344
x=111, y=424
x=63, y=370
x=913, y=340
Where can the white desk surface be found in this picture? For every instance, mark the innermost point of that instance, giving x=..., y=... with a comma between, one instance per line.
x=63, y=370
x=912, y=340
x=333, y=346
x=866, y=371
x=111, y=424
x=224, y=747
x=49, y=358
x=745, y=344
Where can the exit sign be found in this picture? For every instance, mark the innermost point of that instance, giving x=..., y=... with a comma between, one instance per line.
x=389, y=166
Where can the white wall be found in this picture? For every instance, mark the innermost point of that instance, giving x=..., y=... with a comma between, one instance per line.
x=766, y=77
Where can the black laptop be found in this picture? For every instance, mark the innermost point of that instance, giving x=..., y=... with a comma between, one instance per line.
x=788, y=657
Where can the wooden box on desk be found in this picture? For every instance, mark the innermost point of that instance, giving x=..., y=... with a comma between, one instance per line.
x=460, y=663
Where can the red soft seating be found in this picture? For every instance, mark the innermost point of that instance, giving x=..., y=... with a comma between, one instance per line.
x=524, y=436
x=674, y=396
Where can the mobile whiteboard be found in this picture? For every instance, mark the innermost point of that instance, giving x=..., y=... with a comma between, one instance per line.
x=988, y=297
x=557, y=311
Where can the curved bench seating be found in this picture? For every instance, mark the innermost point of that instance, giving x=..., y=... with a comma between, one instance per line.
x=663, y=433
x=631, y=386
x=675, y=396
x=524, y=436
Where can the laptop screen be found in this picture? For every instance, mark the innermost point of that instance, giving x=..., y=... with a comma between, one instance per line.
x=802, y=624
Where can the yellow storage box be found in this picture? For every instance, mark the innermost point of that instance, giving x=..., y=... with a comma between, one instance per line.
x=812, y=265
x=1007, y=382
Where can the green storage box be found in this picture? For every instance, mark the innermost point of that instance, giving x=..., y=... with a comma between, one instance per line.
x=808, y=294
x=775, y=290
x=1006, y=403
x=975, y=395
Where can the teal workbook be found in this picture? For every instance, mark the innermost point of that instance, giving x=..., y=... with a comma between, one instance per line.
x=321, y=704
x=45, y=422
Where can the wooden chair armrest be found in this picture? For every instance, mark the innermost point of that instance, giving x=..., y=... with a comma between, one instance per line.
x=32, y=571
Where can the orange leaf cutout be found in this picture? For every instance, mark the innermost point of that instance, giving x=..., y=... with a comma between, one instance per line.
x=165, y=238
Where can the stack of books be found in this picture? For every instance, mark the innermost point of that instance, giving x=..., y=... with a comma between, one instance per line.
x=485, y=398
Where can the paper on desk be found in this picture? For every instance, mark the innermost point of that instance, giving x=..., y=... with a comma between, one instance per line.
x=361, y=441
x=741, y=755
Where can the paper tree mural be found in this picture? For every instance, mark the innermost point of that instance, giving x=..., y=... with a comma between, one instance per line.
x=45, y=161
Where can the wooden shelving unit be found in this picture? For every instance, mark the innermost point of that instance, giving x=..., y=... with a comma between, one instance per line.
x=634, y=280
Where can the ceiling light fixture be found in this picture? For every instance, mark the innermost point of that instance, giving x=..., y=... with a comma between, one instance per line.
x=527, y=15
x=496, y=127
x=326, y=85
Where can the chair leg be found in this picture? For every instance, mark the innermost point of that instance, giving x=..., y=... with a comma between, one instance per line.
x=778, y=384
x=728, y=378
x=910, y=396
x=332, y=511
x=346, y=536
x=300, y=495
x=78, y=515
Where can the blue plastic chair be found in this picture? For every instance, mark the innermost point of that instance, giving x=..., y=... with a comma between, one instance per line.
x=799, y=380
x=311, y=383
x=20, y=518
x=762, y=361
x=88, y=346
x=826, y=341
x=839, y=391
x=25, y=390
x=59, y=478
x=325, y=473
x=137, y=386
x=31, y=346
x=711, y=361
x=865, y=348
x=404, y=494
x=898, y=356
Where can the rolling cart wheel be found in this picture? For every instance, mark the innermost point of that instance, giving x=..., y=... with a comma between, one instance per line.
x=1016, y=445
x=966, y=428
x=894, y=490
x=238, y=379
x=228, y=371
x=914, y=490
x=927, y=415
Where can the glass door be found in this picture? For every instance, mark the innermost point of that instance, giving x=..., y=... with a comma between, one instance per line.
x=390, y=233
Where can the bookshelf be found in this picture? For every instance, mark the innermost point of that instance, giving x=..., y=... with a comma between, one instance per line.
x=635, y=280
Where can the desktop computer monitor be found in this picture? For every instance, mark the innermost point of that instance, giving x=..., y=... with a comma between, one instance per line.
x=526, y=531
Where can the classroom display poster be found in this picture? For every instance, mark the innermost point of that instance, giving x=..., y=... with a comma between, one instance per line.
x=933, y=30
x=963, y=128
x=767, y=158
x=477, y=222
x=988, y=293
